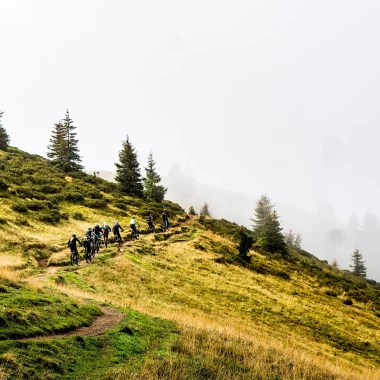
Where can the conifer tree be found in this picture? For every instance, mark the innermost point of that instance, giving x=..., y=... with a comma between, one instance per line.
x=56, y=148
x=245, y=244
x=192, y=211
x=63, y=148
x=4, y=137
x=289, y=239
x=128, y=170
x=335, y=264
x=263, y=209
x=152, y=188
x=205, y=210
x=358, y=268
x=298, y=242
x=72, y=159
x=272, y=239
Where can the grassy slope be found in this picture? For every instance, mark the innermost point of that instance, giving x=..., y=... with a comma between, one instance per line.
x=232, y=322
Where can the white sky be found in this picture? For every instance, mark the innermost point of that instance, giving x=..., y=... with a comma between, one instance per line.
x=255, y=96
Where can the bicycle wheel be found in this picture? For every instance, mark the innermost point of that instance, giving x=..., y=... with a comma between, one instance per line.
x=76, y=257
x=72, y=258
x=105, y=241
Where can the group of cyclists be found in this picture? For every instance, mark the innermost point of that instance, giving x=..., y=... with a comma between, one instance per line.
x=92, y=238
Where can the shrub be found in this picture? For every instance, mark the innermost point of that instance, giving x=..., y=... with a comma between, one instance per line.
x=94, y=194
x=35, y=205
x=50, y=217
x=74, y=196
x=348, y=301
x=49, y=189
x=3, y=186
x=331, y=293
x=65, y=215
x=19, y=207
x=294, y=292
x=3, y=221
x=78, y=216
x=22, y=221
x=95, y=203
x=121, y=205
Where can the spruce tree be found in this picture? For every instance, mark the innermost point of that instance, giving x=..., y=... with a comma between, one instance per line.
x=335, y=264
x=272, y=239
x=152, y=188
x=71, y=160
x=205, y=210
x=56, y=148
x=289, y=239
x=358, y=268
x=298, y=242
x=4, y=137
x=128, y=170
x=263, y=209
x=245, y=244
x=192, y=211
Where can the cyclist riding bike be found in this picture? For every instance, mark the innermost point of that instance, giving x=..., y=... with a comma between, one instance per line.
x=116, y=230
x=132, y=225
x=72, y=244
x=98, y=232
x=106, y=229
x=165, y=219
x=150, y=221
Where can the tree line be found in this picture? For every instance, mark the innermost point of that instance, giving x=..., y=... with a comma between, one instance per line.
x=63, y=151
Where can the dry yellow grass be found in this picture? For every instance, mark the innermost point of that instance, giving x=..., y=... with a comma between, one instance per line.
x=219, y=307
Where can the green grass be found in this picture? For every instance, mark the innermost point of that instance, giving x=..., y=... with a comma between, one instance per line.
x=26, y=312
x=123, y=348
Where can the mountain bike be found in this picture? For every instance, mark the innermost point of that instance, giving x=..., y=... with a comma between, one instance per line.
x=166, y=226
x=97, y=245
x=74, y=257
x=92, y=249
x=106, y=241
x=151, y=228
x=134, y=235
x=119, y=242
x=87, y=253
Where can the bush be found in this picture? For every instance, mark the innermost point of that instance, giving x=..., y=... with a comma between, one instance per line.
x=19, y=207
x=74, y=196
x=78, y=216
x=65, y=215
x=95, y=203
x=331, y=293
x=50, y=217
x=95, y=195
x=3, y=221
x=49, y=189
x=348, y=301
x=22, y=222
x=36, y=205
x=3, y=186
x=121, y=205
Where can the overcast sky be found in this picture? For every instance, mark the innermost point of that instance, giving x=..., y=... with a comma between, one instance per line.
x=255, y=96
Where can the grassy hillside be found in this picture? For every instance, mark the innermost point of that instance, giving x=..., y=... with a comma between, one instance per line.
x=192, y=309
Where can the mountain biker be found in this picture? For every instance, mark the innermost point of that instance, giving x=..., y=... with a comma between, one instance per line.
x=106, y=229
x=72, y=244
x=132, y=224
x=150, y=221
x=97, y=230
x=165, y=219
x=116, y=230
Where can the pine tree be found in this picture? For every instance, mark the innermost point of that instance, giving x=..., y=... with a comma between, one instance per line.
x=358, y=268
x=263, y=209
x=289, y=239
x=192, y=211
x=205, y=210
x=71, y=160
x=335, y=264
x=272, y=239
x=245, y=244
x=298, y=242
x=152, y=187
x=4, y=137
x=128, y=170
x=56, y=147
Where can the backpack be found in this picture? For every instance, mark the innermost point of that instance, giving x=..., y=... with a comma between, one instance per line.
x=72, y=242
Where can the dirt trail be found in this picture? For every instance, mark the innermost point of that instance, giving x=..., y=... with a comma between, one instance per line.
x=110, y=318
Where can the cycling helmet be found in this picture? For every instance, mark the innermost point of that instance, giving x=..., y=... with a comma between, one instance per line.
x=90, y=229
x=97, y=225
x=73, y=235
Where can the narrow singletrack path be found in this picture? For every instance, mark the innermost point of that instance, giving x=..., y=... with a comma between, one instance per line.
x=110, y=318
